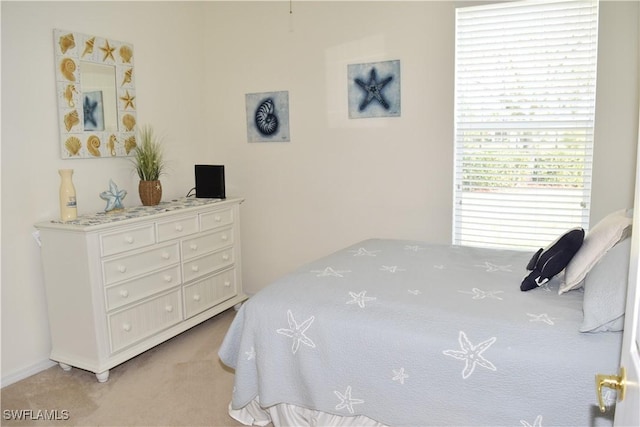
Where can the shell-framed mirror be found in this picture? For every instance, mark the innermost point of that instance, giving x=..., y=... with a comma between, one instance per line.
x=96, y=93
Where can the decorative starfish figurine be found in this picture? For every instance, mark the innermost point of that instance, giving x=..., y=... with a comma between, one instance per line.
x=113, y=197
x=108, y=51
x=296, y=332
x=471, y=354
x=128, y=100
x=89, y=111
x=373, y=89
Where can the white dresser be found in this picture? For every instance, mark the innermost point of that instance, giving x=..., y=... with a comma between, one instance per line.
x=120, y=283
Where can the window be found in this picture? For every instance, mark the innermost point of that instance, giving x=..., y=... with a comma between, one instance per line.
x=525, y=102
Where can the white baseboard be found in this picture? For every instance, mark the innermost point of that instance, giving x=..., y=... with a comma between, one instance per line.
x=26, y=372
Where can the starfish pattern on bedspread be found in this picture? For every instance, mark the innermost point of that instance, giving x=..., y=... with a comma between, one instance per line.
x=391, y=268
x=363, y=252
x=543, y=317
x=471, y=354
x=536, y=423
x=346, y=401
x=414, y=291
x=480, y=294
x=493, y=267
x=413, y=248
x=296, y=331
x=360, y=298
x=399, y=375
x=251, y=354
x=329, y=271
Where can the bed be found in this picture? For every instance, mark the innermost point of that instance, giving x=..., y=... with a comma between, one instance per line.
x=405, y=333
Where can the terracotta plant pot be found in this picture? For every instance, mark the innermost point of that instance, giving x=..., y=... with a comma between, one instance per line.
x=150, y=192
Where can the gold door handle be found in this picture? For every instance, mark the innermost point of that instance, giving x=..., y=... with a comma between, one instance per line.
x=616, y=382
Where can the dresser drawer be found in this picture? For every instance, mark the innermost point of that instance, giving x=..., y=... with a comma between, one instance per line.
x=208, y=292
x=203, y=244
x=127, y=267
x=126, y=240
x=215, y=219
x=139, y=322
x=137, y=289
x=198, y=267
x=177, y=228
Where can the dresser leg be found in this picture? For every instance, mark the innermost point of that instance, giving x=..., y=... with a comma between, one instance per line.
x=102, y=376
x=64, y=366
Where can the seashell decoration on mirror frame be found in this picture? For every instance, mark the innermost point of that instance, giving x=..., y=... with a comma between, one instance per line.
x=95, y=87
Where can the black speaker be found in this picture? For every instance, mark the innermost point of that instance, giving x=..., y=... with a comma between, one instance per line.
x=210, y=181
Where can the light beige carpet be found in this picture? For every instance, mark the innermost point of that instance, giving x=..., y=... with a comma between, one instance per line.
x=178, y=383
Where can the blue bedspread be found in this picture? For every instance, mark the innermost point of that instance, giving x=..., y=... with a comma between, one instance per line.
x=412, y=334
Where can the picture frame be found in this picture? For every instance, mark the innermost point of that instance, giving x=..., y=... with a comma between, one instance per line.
x=267, y=116
x=374, y=89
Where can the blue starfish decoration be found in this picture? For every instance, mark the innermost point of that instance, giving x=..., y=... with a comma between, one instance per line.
x=373, y=88
x=113, y=197
x=89, y=111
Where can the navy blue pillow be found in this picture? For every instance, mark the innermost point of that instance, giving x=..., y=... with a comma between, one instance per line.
x=548, y=262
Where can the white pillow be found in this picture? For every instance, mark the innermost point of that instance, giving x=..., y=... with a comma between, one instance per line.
x=605, y=291
x=606, y=233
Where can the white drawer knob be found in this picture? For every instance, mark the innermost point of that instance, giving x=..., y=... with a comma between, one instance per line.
x=124, y=293
x=169, y=308
x=195, y=268
x=224, y=237
x=168, y=278
x=129, y=239
x=126, y=327
x=227, y=283
x=225, y=257
x=178, y=227
x=194, y=247
x=122, y=268
x=165, y=255
x=217, y=218
x=196, y=297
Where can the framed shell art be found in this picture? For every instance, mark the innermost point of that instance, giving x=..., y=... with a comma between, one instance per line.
x=96, y=94
x=267, y=116
x=374, y=89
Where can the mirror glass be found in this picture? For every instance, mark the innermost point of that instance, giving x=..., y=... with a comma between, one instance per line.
x=96, y=96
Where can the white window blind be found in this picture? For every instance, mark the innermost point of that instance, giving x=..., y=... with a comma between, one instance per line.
x=525, y=100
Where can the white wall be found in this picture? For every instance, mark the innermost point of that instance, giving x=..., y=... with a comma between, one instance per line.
x=168, y=47
x=336, y=182
x=340, y=180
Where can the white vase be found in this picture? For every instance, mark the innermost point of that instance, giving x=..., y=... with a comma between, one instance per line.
x=68, y=205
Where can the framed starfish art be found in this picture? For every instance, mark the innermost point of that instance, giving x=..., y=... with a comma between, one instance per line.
x=374, y=89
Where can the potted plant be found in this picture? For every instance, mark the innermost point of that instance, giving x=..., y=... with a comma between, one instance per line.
x=149, y=163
